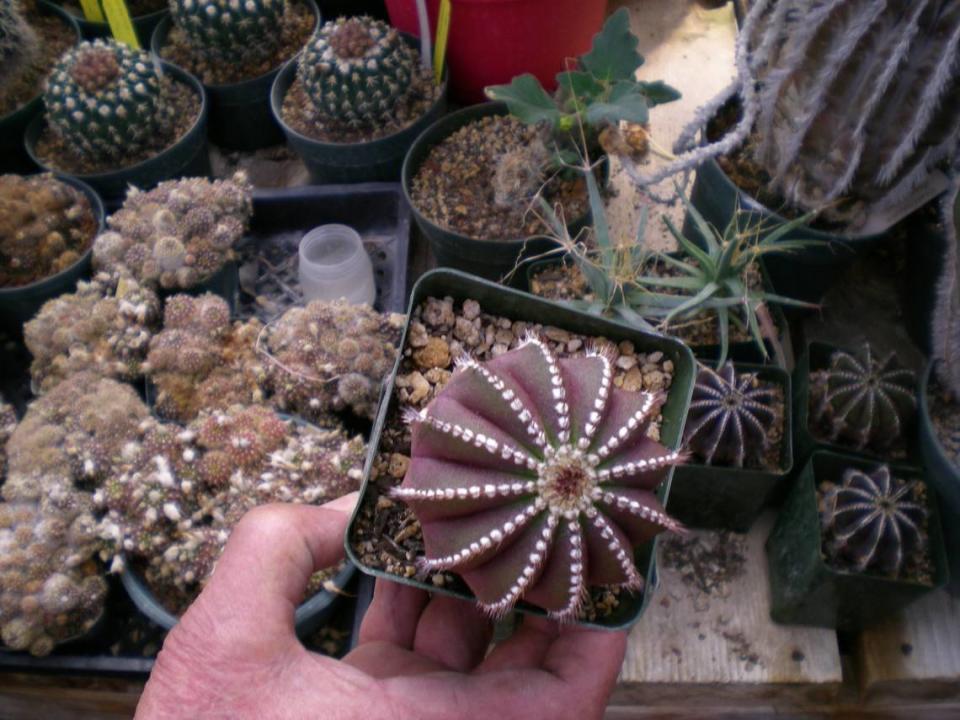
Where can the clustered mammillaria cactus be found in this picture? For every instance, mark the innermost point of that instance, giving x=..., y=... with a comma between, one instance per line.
x=863, y=401
x=355, y=70
x=331, y=356
x=72, y=438
x=19, y=44
x=174, y=506
x=102, y=328
x=8, y=423
x=873, y=520
x=230, y=30
x=533, y=479
x=730, y=417
x=46, y=226
x=105, y=100
x=177, y=235
x=202, y=360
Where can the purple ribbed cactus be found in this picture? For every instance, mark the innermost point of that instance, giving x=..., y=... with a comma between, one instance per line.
x=533, y=479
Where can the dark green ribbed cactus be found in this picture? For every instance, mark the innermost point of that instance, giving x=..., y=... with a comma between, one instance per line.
x=18, y=43
x=355, y=70
x=104, y=99
x=230, y=30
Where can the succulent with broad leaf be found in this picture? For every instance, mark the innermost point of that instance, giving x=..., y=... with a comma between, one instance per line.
x=873, y=520
x=946, y=311
x=863, y=401
x=534, y=478
x=230, y=30
x=731, y=417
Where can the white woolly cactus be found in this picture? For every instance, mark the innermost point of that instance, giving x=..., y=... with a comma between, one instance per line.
x=19, y=45
x=231, y=30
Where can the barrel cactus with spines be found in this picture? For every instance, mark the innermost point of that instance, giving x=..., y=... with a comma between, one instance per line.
x=355, y=70
x=105, y=100
x=230, y=30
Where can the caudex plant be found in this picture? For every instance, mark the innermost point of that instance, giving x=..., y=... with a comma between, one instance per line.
x=534, y=478
x=592, y=99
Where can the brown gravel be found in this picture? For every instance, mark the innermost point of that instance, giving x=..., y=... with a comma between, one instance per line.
x=296, y=26
x=55, y=37
x=59, y=155
x=455, y=186
x=708, y=562
x=299, y=114
x=388, y=536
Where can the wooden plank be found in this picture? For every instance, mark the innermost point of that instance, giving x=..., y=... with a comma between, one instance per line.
x=716, y=646
x=58, y=697
x=914, y=656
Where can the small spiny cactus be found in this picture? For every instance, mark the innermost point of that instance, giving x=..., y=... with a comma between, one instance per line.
x=862, y=401
x=105, y=100
x=230, y=30
x=355, y=70
x=730, y=417
x=533, y=479
x=873, y=520
x=19, y=44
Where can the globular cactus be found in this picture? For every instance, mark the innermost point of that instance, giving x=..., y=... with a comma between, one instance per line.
x=201, y=360
x=330, y=357
x=862, y=401
x=177, y=235
x=872, y=520
x=8, y=423
x=46, y=226
x=355, y=70
x=534, y=478
x=230, y=30
x=19, y=44
x=104, y=99
x=101, y=328
x=850, y=106
x=731, y=417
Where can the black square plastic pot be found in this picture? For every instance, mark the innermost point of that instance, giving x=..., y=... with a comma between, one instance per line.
x=817, y=357
x=517, y=305
x=352, y=162
x=490, y=258
x=143, y=25
x=187, y=157
x=730, y=498
x=240, y=115
x=805, y=590
x=802, y=274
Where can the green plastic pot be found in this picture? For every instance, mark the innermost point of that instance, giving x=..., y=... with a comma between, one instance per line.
x=741, y=352
x=13, y=156
x=143, y=25
x=730, y=498
x=240, y=115
x=488, y=258
x=375, y=160
x=518, y=305
x=187, y=157
x=20, y=304
x=804, y=274
x=805, y=590
x=943, y=475
x=817, y=357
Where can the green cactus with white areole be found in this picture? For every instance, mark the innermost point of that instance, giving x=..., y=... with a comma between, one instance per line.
x=231, y=30
x=105, y=100
x=355, y=70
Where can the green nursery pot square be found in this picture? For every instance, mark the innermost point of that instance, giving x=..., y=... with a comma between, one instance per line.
x=516, y=305
x=805, y=590
x=730, y=498
x=817, y=357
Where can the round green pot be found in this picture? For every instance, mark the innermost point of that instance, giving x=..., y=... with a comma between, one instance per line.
x=240, y=116
x=13, y=125
x=20, y=304
x=376, y=160
x=187, y=157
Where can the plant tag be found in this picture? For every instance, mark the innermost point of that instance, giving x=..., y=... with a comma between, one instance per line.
x=440, y=46
x=91, y=10
x=120, y=24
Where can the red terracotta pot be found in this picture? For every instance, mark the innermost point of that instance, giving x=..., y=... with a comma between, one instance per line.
x=491, y=41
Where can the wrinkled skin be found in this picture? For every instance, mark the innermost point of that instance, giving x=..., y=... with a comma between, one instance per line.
x=235, y=655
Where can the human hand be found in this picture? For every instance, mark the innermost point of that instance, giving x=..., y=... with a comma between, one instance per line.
x=235, y=654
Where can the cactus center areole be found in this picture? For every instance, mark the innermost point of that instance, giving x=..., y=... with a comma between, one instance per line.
x=352, y=40
x=566, y=480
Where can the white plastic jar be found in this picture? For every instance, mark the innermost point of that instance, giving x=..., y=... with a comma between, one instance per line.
x=334, y=265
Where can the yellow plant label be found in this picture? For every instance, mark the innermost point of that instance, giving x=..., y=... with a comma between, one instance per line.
x=91, y=10
x=120, y=24
x=440, y=46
